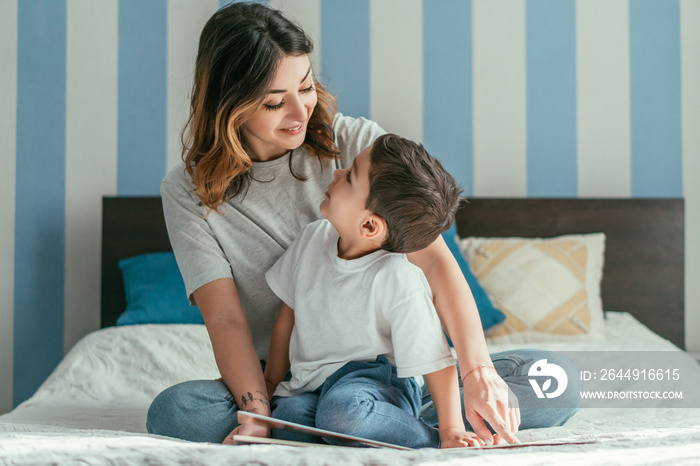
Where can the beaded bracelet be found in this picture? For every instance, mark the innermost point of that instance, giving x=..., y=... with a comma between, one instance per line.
x=476, y=369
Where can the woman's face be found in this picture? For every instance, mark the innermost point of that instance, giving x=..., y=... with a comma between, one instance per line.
x=279, y=124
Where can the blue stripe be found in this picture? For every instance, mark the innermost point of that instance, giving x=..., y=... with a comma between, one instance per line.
x=447, y=87
x=345, y=54
x=142, y=103
x=655, y=99
x=40, y=193
x=551, y=98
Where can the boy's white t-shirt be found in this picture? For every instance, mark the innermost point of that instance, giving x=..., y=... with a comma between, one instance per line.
x=354, y=310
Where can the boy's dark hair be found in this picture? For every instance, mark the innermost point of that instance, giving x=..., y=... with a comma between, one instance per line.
x=412, y=192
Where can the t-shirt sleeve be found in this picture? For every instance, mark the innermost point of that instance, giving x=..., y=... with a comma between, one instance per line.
x=196, y=249
x=353, y=135
x=281, y=276
x=419, y=343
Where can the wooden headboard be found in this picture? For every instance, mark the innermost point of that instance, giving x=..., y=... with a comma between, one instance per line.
x=644, y=248
x=130, y=226
x=644, y=253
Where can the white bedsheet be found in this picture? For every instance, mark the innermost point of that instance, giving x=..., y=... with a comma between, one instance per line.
x=92, y=410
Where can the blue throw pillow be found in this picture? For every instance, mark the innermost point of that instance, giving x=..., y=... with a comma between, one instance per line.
x=155, y=292
x=490, y=315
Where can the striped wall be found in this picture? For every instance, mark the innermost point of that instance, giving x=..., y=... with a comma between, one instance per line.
x=525, y=98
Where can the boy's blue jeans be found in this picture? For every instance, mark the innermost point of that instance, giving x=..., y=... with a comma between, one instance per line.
x=363, y=399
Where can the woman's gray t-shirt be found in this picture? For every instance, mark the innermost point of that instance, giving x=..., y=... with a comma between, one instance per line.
x=252, y=231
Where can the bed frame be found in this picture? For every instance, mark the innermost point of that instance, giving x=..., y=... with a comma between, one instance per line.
x=644, y=253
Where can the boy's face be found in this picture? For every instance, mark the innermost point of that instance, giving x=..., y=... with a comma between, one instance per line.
x=344, y=204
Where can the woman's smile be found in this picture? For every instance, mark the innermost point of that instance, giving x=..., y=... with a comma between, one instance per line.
x=294, y=130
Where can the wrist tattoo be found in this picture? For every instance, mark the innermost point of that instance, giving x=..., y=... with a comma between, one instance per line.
x=249, y=398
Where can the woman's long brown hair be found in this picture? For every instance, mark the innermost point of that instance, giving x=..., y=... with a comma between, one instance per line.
x=239, y=51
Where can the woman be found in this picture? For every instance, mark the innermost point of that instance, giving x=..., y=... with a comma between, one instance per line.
x=260, y=148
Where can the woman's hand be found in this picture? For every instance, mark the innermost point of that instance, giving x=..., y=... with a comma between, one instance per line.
x=250, y=430
x=486, y=395
x=488, y=398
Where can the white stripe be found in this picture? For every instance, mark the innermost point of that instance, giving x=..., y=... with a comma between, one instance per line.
x=91, y=155
x=306, y=13
x=396, y=66
x=603, y=98
x=690, y=96
x=500, y=131
x=8, y=132
x=185, y=22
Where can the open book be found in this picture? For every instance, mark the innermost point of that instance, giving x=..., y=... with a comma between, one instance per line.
x=271, y=423
x=258, y=419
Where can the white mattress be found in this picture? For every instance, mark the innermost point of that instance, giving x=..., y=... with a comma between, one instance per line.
x=92, y=410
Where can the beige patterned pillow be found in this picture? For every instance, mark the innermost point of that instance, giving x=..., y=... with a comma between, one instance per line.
x=549, y=289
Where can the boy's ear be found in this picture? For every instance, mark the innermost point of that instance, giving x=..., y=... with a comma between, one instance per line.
x=374, y=227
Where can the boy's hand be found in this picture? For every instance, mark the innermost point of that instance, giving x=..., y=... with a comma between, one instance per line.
x=459, y=438
x=251, y=430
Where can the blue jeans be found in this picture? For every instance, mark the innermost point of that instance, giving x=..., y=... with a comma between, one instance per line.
x=205, y=411
x=363, y=399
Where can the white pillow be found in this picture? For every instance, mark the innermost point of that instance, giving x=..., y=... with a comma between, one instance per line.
x=549, y=289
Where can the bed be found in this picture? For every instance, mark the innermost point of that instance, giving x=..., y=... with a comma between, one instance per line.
x=92, y=408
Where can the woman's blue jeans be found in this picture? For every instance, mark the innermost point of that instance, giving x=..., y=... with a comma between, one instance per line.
x=362, y=399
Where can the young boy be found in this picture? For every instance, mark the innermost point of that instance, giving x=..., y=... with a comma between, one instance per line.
x=358, y=324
